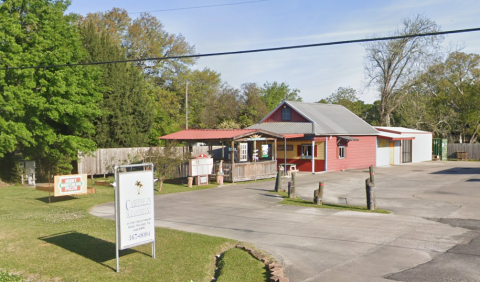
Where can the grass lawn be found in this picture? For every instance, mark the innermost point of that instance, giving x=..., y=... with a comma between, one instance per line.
x=61, y=241
x=304, y=203
x=232, y=265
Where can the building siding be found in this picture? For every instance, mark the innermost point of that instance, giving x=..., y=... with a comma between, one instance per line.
x=303, y=164
x=358, y=154
x=422, y=148
x=277, y=116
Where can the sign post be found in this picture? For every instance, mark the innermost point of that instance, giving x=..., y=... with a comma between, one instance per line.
x=134, y=207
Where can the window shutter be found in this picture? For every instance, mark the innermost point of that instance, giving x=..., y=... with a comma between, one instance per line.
x=315, y=150
x=299, y=150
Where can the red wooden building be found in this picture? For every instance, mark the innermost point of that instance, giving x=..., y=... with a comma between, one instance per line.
x=321, y=137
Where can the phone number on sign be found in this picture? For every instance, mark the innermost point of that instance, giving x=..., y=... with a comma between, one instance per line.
x=139, y=235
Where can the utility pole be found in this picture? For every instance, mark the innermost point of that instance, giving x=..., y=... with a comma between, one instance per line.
x=186, y=107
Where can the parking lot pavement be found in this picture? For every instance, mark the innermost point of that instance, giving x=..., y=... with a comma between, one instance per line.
x=331, y=245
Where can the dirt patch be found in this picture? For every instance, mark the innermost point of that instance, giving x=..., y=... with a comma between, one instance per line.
x=3, y=184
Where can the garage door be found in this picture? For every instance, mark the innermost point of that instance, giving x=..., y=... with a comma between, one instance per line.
x=406, y=151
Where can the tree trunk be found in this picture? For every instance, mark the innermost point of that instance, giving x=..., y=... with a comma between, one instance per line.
x=160, y=186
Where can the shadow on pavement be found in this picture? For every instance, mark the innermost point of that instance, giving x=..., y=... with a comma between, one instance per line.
x=459, y=170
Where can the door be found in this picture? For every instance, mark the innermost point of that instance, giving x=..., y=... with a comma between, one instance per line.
x=406, y=151
x=392, y=153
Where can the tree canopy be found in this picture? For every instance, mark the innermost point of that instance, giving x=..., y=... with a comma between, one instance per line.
x=46, y=113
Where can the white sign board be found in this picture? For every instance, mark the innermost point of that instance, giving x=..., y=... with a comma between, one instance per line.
x=201, y=166
x=135, y=208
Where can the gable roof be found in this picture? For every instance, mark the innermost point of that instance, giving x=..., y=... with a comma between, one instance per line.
x=327, y=119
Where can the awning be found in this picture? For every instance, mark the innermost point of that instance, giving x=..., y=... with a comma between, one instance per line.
x=291, y=136
x=347, y=138
x=394, y=136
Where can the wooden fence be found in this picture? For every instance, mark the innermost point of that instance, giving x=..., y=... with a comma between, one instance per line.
x=103, y=161
x=473, y=150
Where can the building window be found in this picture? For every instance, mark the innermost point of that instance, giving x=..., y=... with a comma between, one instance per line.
x=341, y=152
x=306, y=151
x=286, y=114
x=243, y=152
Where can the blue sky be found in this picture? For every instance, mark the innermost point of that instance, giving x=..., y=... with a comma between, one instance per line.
x=316, y=72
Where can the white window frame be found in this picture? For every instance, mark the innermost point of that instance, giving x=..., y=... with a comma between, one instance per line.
x=286, y=114
x=243, y=152
x=342, y=152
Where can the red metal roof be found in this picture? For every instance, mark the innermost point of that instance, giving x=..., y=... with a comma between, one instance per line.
x=206, y=134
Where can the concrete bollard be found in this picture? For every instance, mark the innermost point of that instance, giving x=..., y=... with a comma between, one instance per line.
x=291, y=190
x=190, y=182
x=320, y=192
x=294, y=180
x=370, y=194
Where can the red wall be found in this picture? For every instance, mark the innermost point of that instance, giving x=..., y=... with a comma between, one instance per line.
x=277, y=116
x=305, y=165
x=358, y=154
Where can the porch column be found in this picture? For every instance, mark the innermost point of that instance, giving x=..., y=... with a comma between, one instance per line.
x=313, y=155
x=274, y=153
x=326, y=150
x=233, y=159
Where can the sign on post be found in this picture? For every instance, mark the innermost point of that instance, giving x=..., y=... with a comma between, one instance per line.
x=74, y=184
x=134, y=208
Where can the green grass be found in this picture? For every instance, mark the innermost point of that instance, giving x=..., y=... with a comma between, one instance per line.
x=5, y=277
x=310, y=204
x=232, y=265
x=167, y=188
x=61, y=241
x=178, y=188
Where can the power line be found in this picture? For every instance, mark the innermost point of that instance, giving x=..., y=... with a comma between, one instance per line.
x=254, y=50
x=201, y=7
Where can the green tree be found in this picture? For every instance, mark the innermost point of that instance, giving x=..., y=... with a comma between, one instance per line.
x=347, y=97
x=46, y=113
x=166, y=161
x=274, y=93
x=446, y=98
x=253, y=108
x=391, y=65
x=146, y=37
x=127, y=111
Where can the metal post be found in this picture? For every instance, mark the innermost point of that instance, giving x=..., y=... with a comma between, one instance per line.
x=313, y=155
x=117, y=221
x=285, y=153
x=154, y=252
x=186, y=107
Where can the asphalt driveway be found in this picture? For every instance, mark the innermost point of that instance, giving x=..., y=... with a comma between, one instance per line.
x=432, y=234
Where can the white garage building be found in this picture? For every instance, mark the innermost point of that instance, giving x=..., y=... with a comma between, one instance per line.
x=397, y=145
